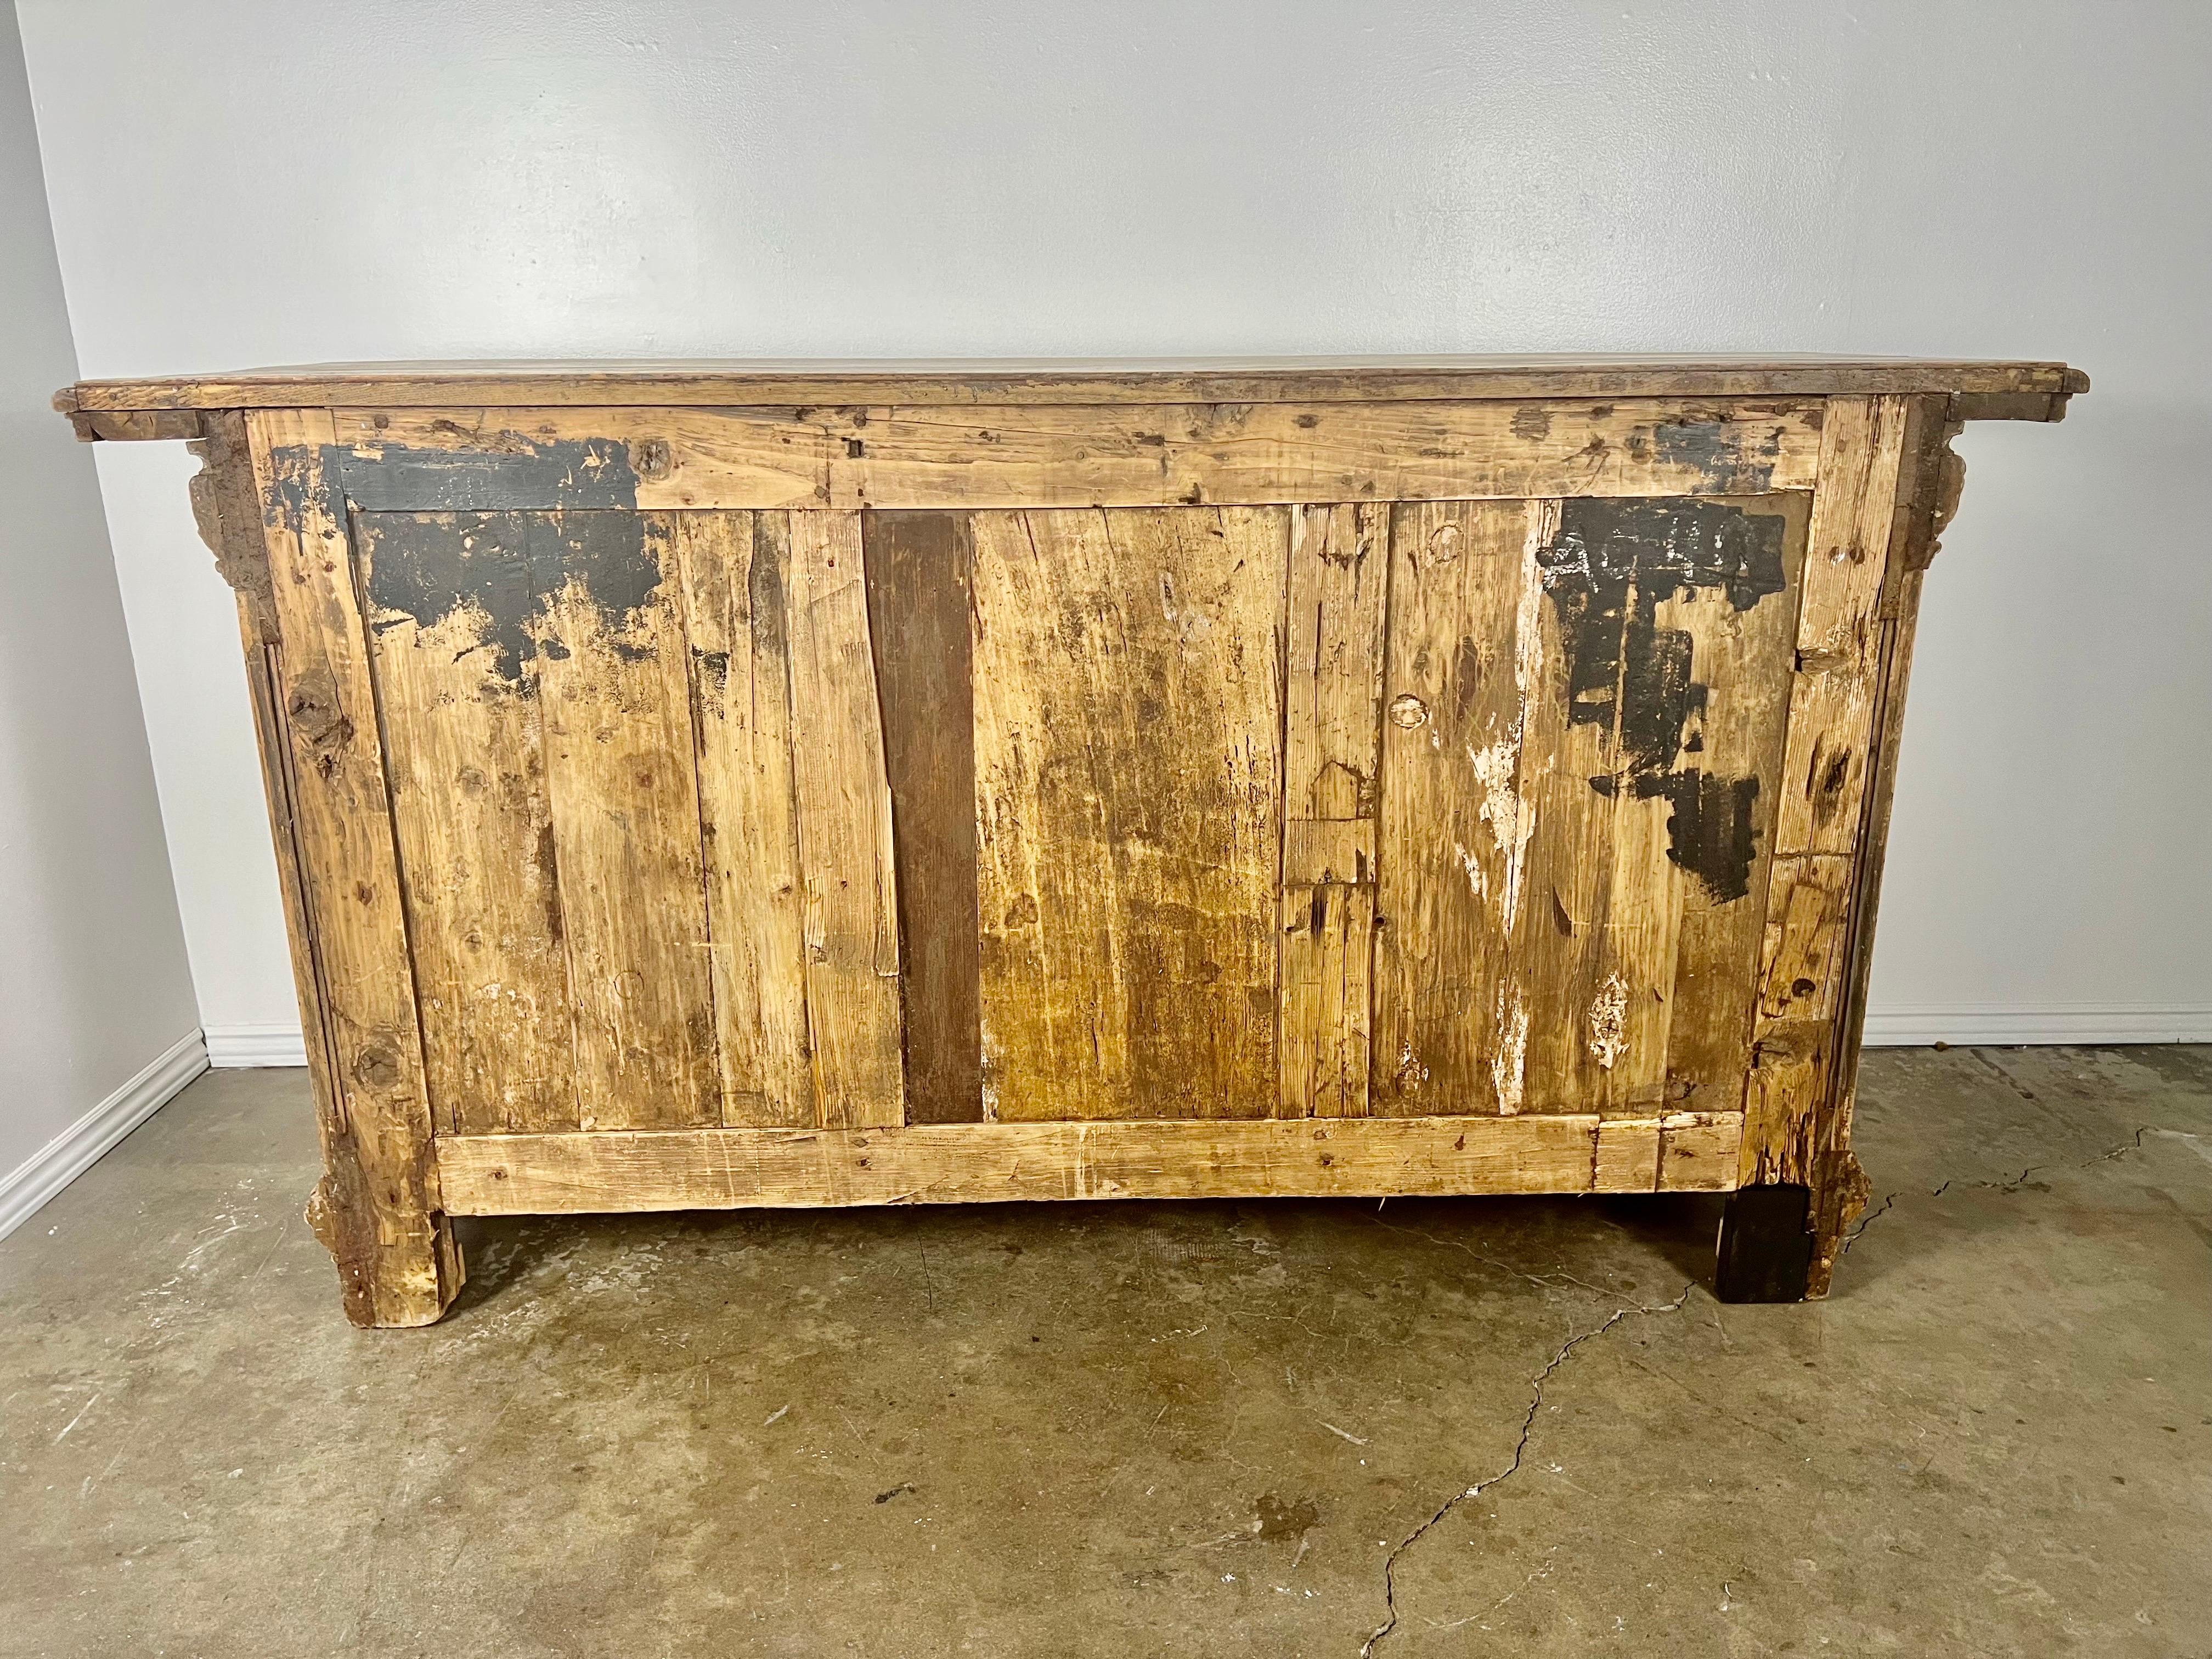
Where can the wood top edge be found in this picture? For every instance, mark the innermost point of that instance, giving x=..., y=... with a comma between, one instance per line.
x=1021, y=381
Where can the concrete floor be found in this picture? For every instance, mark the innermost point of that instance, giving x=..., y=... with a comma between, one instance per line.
x=1496, y=1426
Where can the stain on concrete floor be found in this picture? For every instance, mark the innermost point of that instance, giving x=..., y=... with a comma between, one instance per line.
x=1473, y=1426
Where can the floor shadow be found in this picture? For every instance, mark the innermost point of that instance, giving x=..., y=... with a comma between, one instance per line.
x=1682, y=1227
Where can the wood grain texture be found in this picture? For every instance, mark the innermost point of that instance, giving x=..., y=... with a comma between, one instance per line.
x=1127, y=694
x=920, y=568
x=614, y=676
x=1736, y=731
x=463, y=740
x=1339, y=577
x=697, y=788
x=227, y=509
x=956, y=1163
x=735, y=570
x=810, y=457
x=1838, y=659
x=1796, y=1115
x=377, y=1207
x=1929, y=479
x=1033, y=380
x=1465, y=667
x=1661, y=621
x=1264, y=453
x=848, y=865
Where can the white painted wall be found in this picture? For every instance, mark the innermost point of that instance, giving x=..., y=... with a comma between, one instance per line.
x=246, y=181
x=97, y=1025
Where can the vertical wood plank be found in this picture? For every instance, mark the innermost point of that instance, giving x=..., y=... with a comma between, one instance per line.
x=847, y=861
x=1557, y=975
x=1338, y=578
x=1735, y=734
x=376, y=1207
x=1465, y=666
x=1644, y=608
x=921, y=567
x=1832, y=698
x=1127, y=675
x=1792, y=1117
x=464, y=737
x=625, y=815
x=733, y=568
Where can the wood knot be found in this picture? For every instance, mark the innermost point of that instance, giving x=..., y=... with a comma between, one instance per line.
x=376, y=1068
x=313, y=709
x=651, y=458
x=1409, y=712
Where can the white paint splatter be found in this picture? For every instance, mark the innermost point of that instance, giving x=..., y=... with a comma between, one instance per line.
x=1411, y=1073
x=1508, y=1066
x=1472, y=865
x=1609, y=1019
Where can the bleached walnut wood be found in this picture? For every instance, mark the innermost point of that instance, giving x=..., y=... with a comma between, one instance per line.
x=2004, y=391
x=832, y=784
x=377, y=1208
x=1340, y=572
x=1091, y=456
x=971, y=1163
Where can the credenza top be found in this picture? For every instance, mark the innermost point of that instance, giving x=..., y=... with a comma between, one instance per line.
x=2016, y=390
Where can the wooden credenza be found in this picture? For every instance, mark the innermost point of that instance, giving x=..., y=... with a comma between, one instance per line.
x=700, y=786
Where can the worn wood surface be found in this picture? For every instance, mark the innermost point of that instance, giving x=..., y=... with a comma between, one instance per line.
x=920, y=574
x=1580, y=694
x=464, y=742
x=377, y=1207
x=808, y=457
x=848, y=868
x=1128, y=727
x=614, y=674
x=1792, y=1106
x=1015, y=380
x=736, y=571
x=1733, y=737
x=954, y=793
x=1338, y=578
x=1451, y=1018
x=961, y=1163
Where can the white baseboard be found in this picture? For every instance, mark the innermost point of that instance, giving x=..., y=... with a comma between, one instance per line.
x=2059, y=1023
x=274, y=1044
x=78, y=1148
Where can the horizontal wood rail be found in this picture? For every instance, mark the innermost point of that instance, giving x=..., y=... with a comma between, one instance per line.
x=970, y=1163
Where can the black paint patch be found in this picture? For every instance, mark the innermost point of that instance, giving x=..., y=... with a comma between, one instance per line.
x=1737, y=460
x=1710, y=830
x=1611, y=564
x=518, y=476
x=505, y=565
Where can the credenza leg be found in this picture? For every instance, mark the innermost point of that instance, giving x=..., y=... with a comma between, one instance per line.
x=1766, y=1245
x=388, y=1275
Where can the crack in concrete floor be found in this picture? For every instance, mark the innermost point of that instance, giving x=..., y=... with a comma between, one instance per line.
x=1519, y=1452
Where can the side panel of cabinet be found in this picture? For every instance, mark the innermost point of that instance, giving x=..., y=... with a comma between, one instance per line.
x=1584, y=705
x=642, y=815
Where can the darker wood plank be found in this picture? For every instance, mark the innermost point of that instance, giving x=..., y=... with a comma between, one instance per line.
x=920, y=568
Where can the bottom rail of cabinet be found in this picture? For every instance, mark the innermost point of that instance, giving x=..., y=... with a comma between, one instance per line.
x=618, y=1171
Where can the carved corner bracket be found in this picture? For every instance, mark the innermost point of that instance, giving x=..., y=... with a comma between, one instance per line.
x=228, y=509
x=1950, y=484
